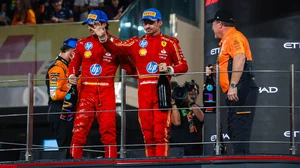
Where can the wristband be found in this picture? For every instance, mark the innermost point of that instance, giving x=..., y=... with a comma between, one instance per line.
x=191, y=104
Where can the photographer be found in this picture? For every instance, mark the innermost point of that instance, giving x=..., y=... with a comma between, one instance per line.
x=187, y=118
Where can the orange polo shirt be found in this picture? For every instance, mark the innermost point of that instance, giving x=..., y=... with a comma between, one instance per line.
x=232, y=43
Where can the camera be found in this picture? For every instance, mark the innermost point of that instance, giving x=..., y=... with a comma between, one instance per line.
x=180, y=93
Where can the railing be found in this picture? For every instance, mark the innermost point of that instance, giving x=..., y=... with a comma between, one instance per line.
x=124, y=113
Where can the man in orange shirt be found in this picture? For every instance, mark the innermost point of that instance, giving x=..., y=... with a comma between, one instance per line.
x=236, y=79
x=57, y=88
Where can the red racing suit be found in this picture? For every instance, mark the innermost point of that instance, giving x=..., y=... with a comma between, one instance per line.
x=147, y=53
x=97, y=94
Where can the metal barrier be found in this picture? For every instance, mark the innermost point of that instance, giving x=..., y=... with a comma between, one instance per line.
x=123, y=113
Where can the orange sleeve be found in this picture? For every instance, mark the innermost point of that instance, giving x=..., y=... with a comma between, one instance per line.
x=30, y=17
x=236, y=45
x=58, y=83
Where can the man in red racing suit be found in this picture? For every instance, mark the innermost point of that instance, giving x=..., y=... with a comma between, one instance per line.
x=97, y=93
x=152, y=54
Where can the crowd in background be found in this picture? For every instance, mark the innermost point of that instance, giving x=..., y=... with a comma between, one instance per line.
x=21, y=12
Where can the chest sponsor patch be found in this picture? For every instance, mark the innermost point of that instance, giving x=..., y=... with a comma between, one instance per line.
x=163, y=43
x=54, y=84
x=209, y=87
x=53, y=79
x=152, y=67
x=142, y=52
x=87, y=54
x=143, y=43
x=55, y=74
x=163, y=52
x=95, y=69
x=68, y=96
x=107, y=60
x=88, y=45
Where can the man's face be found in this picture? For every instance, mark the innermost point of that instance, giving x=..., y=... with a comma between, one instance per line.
x=18, y=4
x=92, y=26
x=193, y=93
x=57, y=5
x=152, y=27
x=115, y=3
x=216, y=27
x=70, y=54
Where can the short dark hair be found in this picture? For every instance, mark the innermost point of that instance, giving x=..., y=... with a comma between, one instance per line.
x=106, y=27
x=63, y=49
x=197, y=86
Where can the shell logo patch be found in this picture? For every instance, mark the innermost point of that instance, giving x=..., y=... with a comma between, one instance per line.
x=142, y=52
x=87, y=54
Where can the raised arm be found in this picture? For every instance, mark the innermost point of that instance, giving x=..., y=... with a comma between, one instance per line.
x=112, y=44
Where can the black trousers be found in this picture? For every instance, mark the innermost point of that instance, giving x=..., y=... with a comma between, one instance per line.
x=240, y=119
x=61, y=128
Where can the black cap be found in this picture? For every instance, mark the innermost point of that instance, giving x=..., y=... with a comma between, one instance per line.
x=222, y=15
x=53, y=1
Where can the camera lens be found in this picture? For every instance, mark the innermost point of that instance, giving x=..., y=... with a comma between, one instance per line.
x=191, y=87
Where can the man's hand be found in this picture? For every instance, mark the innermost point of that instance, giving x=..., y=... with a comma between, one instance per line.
x=163, y=67
x=99, y=30
x=208, y=70
x=232, y=94
x=73, y=79
x=188, y=99
x=54, y=19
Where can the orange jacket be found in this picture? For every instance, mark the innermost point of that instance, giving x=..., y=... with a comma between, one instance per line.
x=58, y=80
x=29, y=18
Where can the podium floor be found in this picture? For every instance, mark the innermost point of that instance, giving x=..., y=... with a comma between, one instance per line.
x=249, y=161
